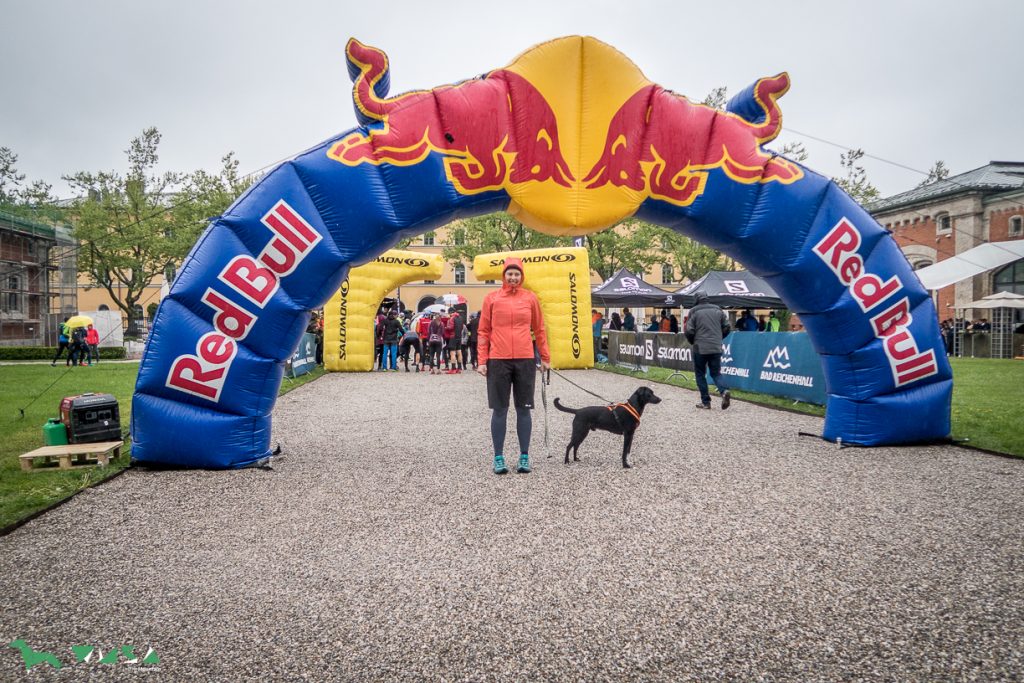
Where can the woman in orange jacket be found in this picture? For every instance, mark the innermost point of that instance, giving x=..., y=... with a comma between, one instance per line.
x=509, y=323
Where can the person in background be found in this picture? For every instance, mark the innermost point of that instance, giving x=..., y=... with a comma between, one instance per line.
x=378, y=340
x=628, y=322
x=598, y=326
x=673, y=322
x=473, y=326
x=63, y=342
x=79, y=349
x=435, y=342
x=746, y=322
x=760, y=323
x=706, y=327
x=616, y=323
x=510, y=324
x=453, y=339
x=92, y=341
x=393, y=331
x=773, y=324
x=665, y=325
x=654, y=326
x=423, y=329
x=410, y=346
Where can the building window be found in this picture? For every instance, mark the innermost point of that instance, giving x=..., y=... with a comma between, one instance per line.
x=13, y=297
x=1016, y=226
x=460, y=237
x=428, y=239
x=460, y=274
x=943, y=224
x=1010, y=278
x=169, y=273
x=924, y=263
x=667, y=273
x=490, y=282
x=428, y=282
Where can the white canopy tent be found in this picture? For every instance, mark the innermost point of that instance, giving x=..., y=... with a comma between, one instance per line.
x=999, y=300
x=972, y=262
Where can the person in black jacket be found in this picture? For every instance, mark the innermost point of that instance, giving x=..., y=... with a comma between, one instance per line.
x=705, y=329
x=473, y=324
x=392, y=333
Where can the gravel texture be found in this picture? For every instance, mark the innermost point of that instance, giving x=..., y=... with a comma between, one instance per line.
x=381, y=548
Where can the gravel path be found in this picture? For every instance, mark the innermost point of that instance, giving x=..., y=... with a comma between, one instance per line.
x=381, y=548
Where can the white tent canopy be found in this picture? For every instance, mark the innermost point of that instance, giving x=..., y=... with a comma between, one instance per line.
x=999, y=300
x=972, y=262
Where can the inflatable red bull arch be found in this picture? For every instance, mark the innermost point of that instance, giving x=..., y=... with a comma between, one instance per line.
x=570, y=138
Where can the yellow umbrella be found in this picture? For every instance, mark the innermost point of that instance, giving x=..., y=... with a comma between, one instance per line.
x=79, y=321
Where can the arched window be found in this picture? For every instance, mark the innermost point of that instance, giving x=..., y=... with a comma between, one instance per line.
x=460, y=274
x=943, y=224
x=923, y=263
x=667, y=273
x=104, y=307
x=1009, y=278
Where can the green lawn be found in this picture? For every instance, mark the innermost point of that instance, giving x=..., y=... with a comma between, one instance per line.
x=37, y=389
x=988, y=401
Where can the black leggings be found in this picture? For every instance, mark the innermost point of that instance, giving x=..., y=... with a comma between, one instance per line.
x=524, y=425
x=61, y=347
x=434, y=354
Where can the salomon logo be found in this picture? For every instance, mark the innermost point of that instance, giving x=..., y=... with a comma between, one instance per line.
x=777, y=358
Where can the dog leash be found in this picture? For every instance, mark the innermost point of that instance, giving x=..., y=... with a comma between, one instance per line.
x=581, y=388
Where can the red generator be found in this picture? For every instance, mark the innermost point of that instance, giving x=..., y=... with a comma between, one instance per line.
x=91, y=418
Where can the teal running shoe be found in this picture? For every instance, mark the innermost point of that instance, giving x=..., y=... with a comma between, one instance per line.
x=524, y=464
x=499, y=465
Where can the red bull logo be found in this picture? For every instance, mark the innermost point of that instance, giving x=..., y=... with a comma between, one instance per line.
x=624, y=138
x=663, y=145
x=471, y=124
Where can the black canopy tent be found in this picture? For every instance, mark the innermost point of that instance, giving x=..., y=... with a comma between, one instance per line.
x=625, y=288
x=731, y=289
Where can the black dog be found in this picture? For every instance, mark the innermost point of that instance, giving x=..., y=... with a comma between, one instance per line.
x=622, y=418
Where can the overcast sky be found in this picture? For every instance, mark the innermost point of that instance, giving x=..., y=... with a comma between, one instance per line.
x=908, y=82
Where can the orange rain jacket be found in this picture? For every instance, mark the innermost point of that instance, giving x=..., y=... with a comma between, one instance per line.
x=508, y=317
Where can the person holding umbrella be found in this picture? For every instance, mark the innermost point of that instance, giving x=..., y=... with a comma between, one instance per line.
x=510, y=321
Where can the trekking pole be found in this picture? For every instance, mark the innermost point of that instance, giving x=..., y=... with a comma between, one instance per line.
x=545, y=380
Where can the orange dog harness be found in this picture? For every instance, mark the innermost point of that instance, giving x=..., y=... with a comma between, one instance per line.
x=629, y=409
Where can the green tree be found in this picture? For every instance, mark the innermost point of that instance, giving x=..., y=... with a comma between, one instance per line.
x=855, y=182
x=493, y=233
x=10, y=179
x=691, y=259
x=794, y=151
x=716, y=99
x=935, y=174
x=633, y=244
x=137, y=226
x=33, y=201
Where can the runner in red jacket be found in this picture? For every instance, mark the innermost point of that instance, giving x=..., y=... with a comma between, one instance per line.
x=510, y=321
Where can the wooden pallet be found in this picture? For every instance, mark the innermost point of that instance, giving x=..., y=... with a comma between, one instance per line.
x=71, y=456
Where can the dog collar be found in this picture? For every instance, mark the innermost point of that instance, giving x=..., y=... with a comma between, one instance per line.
x=629, y=409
